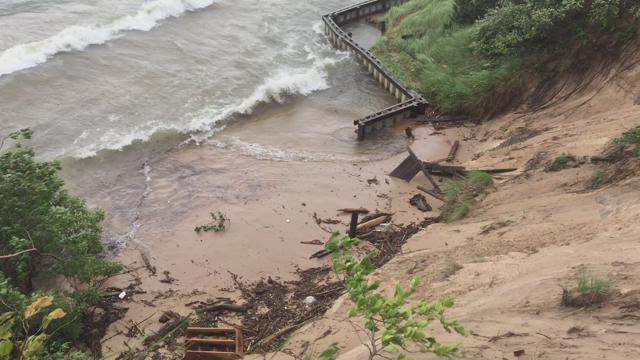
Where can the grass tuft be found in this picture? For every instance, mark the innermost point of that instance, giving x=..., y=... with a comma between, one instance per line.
x=461, y=195
x=451, y=267
x=632, y=137
x=562, y=162
x=590, y=290
x=593, y=285
x=598, y=179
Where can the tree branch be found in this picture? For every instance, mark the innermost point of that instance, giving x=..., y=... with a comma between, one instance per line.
x=4, y=257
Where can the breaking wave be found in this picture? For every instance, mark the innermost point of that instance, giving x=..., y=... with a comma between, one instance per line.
x=282, y=83
x=78, y=37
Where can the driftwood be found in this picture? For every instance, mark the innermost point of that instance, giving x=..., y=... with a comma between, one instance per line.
x=269, y=339
x=147, y=262
x=374, y=216
x=167, y=328
x=372, y=223
x=453, y=151
x=312, y=242
x=224, y=307
x=354, y=210
x=320, y=254
x=431, y=192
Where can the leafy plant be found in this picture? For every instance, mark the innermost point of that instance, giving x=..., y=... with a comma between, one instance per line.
x=44, y=231
x=33, y=343
x=461, y=195
x=561, y=162
x=392, y=324
x=218, y=224
x=43, y=228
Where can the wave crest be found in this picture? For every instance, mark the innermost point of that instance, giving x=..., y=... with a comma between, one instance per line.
x=77, y=37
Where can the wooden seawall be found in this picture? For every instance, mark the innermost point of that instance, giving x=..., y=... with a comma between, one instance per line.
x=410, y=104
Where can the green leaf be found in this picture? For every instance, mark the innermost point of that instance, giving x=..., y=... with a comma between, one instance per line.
x=34, y=346
x=6, y=325
x=329, y=353
x=392, y=348
x=333, y=243
x=5, y=349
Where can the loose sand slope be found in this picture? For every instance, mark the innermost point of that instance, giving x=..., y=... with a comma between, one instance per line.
x=530, y=237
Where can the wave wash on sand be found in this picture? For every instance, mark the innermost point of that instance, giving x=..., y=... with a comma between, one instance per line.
x=78, y=37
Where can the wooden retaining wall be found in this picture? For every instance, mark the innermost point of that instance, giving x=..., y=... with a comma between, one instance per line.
x=410, y=104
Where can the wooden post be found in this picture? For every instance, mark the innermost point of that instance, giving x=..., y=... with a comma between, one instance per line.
x=354, y=224
x=454, y=150
x=353, y=227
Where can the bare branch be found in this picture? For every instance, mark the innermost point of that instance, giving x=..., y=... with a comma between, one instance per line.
x=4, y=257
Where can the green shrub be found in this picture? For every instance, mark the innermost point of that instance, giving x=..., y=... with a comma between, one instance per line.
x=632, y=137
x=460, y=50
x=526, y=27
x=44, y=231
x=56, y=231
x=468, y=11
x=461, y=195
x=598, y=179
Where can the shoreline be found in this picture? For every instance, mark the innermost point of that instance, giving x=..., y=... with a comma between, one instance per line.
x=269, y=215
x=272, y=206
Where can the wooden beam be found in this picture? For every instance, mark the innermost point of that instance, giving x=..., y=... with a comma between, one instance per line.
x=424, y=170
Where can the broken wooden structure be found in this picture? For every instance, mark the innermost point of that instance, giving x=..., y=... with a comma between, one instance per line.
x=213, y=343
x=410, y=103
x=412, y=165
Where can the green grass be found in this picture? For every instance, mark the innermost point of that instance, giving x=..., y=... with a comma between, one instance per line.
x=632, y=137
x=439, y=61
x=594, y=286
x=461, y=195
x=598, y=179
x=458, y=63
x=562, y=162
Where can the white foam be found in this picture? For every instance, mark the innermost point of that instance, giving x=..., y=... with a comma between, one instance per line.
x=268, y=152
x=78, y=37
x=281, y=83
